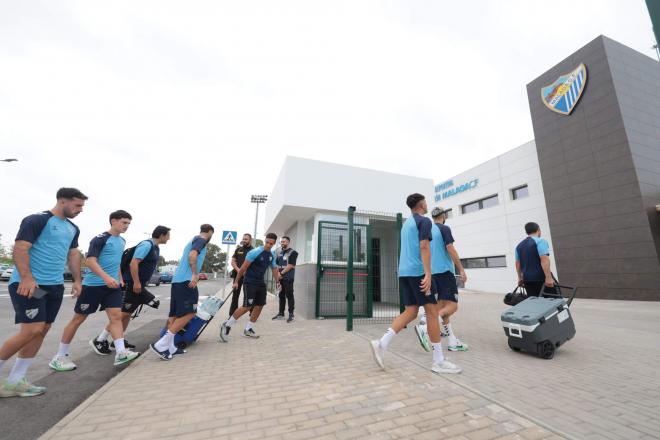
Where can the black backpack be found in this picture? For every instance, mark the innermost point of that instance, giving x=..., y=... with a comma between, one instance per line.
x=127, y=256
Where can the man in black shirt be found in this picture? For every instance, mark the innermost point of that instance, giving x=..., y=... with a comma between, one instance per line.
x=237, y=261
x=286, y=264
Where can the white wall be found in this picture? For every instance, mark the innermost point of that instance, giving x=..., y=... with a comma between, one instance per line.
x=332, y=187
x=497, y=230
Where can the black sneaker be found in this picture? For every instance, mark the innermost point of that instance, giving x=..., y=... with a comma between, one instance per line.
x=127, y=344
x=278, y=316
x=290, y=317
x=100, y=347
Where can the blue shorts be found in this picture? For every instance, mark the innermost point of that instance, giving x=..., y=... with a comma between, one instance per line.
x=412, y=295
x=44, y=309
x=444, y=285
x=184, y=299
x=92, y=297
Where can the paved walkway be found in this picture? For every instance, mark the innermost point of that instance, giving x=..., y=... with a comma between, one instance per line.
x=603, y=384
x=311, y=379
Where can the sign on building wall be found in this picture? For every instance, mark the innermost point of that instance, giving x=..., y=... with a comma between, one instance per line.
x=562, y=95
x=447, y=189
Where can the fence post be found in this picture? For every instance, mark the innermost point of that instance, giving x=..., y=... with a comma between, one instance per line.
x=399, y=225
x=319, y=269
x=349, y=270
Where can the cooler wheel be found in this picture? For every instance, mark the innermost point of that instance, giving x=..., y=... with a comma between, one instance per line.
x=546, y=349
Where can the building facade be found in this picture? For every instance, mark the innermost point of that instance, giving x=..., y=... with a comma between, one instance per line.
x=590, y=179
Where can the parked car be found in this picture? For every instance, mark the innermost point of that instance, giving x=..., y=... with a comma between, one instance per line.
x=203, y=276
x=68, y=276
x=155, y=279
x=166, y=277
x=6, y=274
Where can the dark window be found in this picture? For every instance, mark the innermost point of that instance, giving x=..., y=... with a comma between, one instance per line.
x=480, y=204
x=471, y=207
x=496, y=261
x=520, y=192
x=484, y=262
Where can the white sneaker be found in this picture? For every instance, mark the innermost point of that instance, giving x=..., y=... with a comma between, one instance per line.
x=423, y=337
x=224, y=332
x=62, y=363
x=457, y=345
x=378, y=353
x=445, y=367
x=125, y=357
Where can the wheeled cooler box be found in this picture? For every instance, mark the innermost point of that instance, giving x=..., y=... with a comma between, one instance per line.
x=193, y=330
x=539, y=325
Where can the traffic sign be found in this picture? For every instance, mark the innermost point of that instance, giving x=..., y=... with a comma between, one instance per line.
x=229, y=237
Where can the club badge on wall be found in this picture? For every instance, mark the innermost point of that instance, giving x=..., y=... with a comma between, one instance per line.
x=562, y=95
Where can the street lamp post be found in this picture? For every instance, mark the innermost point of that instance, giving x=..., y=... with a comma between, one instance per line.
x=258, y=199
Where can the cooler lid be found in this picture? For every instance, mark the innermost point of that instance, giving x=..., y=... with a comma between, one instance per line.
x=530, y=311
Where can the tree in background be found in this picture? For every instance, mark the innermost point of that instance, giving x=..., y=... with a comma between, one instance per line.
x=161, y=261
x=6, y=254
x=258, y=243
x=215, y=259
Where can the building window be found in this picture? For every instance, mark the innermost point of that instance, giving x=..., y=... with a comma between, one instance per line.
x=520, y=192
x=484, y=262
x=480, y=204
x=449, y=213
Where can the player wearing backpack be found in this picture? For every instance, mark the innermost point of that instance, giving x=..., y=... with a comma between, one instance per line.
x=43, y=244
x=100, y=288
x=137, y=265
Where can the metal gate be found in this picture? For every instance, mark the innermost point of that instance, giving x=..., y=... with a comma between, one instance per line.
x=332, y=269
x=357, y=279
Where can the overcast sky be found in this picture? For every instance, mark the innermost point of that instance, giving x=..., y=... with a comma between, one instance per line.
x=178, y=111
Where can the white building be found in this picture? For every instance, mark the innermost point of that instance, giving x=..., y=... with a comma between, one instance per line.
x=490, y=205
x=308, y=197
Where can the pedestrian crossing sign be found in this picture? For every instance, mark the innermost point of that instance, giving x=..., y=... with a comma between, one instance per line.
x=229, y=237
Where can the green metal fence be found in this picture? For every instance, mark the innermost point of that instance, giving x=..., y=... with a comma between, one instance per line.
x=332, y=270
x=357, y=268
x=383, y=297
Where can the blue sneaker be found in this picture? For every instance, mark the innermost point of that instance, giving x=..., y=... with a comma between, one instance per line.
x=164, y=355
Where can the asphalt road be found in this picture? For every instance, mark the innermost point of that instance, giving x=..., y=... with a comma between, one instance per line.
x=67, y=390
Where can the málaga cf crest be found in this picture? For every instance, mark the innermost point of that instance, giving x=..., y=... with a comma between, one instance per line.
x=562, y=95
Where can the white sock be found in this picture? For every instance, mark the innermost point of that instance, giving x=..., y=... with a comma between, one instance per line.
x=63, y=350
x=387, y=338
x=172, y=348
x=438, y=357
x=231, y=321
x=19, y=370
x=119, y=346
x=165, y=342
x=103, y=336
x=248, y=326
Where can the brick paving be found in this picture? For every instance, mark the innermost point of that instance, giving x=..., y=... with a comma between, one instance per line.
x=305, y=380
x=603, y=384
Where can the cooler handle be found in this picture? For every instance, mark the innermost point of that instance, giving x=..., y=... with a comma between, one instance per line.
x=518, y=332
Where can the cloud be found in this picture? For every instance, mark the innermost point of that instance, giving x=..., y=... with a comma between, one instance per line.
x=177, y=111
